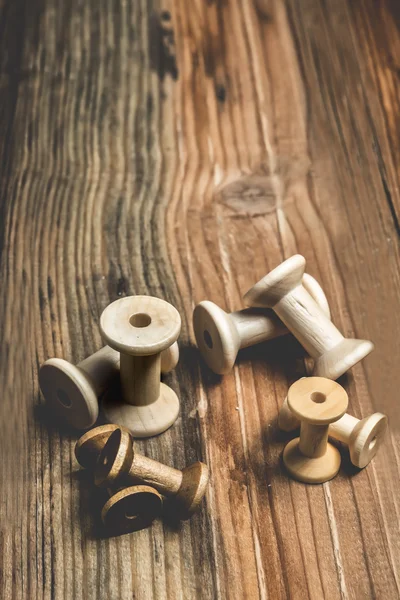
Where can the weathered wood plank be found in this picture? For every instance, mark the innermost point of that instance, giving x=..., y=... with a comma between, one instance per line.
x=182, y=150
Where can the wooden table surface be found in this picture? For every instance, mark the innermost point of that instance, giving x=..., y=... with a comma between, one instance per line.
x=183, y=149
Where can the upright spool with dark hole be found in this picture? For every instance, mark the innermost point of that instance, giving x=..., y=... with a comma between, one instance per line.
x=316, y=402
x=73, y=391
x=362, y=436
x=140, y=328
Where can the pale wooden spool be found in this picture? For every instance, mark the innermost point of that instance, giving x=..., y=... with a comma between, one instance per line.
x=283, y=291
x=140, y=328
x=317, y=402
x=362, y=436
x=73, y=391
x=220, y=335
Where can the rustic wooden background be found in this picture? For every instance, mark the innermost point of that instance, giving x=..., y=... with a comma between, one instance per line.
x=183, y=149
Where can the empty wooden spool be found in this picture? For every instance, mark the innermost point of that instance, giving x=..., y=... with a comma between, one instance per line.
x=119, y=464
x=128, y=509
x=73, y=391
x=141, y=328
x=317, y=402
x=283, y=291
x=362, y=436
x=220, y=335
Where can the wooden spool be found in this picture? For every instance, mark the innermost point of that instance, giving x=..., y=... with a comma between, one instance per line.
x=119, y=464
x=220, y=335
x=317, y=402
x=128, y=509
x=283, y=291
x=362, y=436
x=140, y=328
x=73, y=391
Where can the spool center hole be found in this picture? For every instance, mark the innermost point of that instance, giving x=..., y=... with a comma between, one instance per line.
x=318, y=397
x=140, y=320
x=129, y=515
x=208, y=339
x=372, y=443
x=64, y=399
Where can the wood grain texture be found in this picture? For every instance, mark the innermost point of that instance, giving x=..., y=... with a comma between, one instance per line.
x=183, y=149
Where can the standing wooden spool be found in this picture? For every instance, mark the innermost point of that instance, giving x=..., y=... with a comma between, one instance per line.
x=140, y=328
x=362, y=436
x=316, y=402
x=73, y=391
